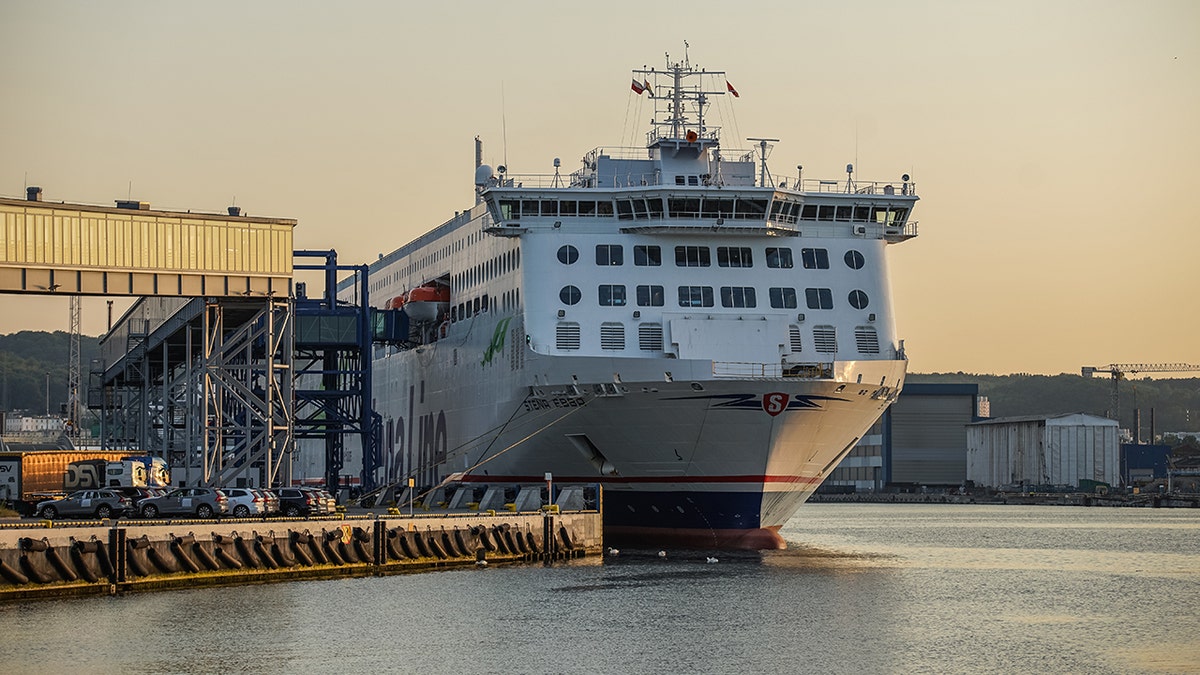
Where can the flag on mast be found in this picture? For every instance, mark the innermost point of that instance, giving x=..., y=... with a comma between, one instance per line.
x=637, y=87
x=732, y=90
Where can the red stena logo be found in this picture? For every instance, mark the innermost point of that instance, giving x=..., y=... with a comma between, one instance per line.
x=774, y=403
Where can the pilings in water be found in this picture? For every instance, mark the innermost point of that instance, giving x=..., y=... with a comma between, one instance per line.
x=128, y=556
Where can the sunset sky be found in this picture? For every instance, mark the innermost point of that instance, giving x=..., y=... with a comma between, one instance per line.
x=1055, y=145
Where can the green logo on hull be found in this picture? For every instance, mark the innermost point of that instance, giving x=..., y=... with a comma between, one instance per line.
x=497, y=344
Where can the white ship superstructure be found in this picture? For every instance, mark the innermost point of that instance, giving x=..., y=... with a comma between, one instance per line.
x=704, y=339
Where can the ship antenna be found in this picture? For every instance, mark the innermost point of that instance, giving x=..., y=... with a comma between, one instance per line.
x=503, y=126
x=686, y=63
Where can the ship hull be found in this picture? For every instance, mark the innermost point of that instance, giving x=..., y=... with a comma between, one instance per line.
x=686, y=459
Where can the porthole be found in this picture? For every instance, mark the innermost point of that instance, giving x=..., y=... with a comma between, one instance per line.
x=570, y=295
x=854, y=260
x=568, y=254
x=858, y=299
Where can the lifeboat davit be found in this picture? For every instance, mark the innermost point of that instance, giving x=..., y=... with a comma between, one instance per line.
x=423, y=303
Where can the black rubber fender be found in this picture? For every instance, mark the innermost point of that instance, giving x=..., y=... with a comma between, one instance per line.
x=86, y=546
x=532, y=541
x=81, y=564
x=182, y=556
x=31, y=544
x=331, y=553
x=347, y=552
x=14, y=577
x=435, y=547
x=498, y=535
x=422, y=547
x=159, y=561
x=102, y=556
x=185, y=540
x=318, y=551
x=264, y=553
x=565, y=537
x=484, y=538
x=360, y=548
x=407, y=547
x=205, y=557
x=449, y=546
x=135, y=563
x=64, y=570
x=393, y=539
x=31, y=571
x=283, y=554
x=243, y=550
x=300, y=549
x=461, y=542
x=228, y=560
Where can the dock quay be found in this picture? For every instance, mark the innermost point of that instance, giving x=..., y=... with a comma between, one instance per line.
x=45, y=559
x=1143, y=500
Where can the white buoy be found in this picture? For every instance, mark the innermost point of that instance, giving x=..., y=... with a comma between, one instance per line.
x=662, y=554
x=712, y=559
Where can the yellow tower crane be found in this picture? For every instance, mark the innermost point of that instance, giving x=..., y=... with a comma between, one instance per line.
x=1120, y=370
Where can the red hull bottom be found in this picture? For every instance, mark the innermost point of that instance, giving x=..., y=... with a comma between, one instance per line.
x=757, y=539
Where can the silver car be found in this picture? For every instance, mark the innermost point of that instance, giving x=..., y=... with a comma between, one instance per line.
x=245, y=502
x=97, y=503
x=201, y=502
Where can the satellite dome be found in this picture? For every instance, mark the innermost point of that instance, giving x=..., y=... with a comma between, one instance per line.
x=483, y=174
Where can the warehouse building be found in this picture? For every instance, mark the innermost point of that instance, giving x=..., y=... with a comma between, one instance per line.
x=1043, y=451
x=919, y=441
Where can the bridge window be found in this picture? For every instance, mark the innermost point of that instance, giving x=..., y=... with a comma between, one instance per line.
x=782, y=298
x=568, y=254
x=684, y=207
x=549, y=207
x=751, y=209
x=692, y=256
x=510, y=209
x=738, y=296
x=815, y=258
x=610, y=254
x=570, y=295
x=695, y=296
x=650, y=296
x=819, y=298
x=809, y=212
x=647, y=256
x=529, y=207
x=734, y=256
x=567, y=208
x=779, y=258
x=587, y=209
x=612, y=295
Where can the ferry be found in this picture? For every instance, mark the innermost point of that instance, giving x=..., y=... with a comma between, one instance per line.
x=704, y=339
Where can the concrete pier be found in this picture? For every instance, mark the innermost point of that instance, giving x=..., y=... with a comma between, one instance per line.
x=47, y=560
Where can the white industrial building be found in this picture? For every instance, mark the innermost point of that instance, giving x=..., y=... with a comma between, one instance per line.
x=1043, y=450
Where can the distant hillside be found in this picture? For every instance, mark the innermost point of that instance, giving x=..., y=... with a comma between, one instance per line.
x=26, y=358
x=1176, y=402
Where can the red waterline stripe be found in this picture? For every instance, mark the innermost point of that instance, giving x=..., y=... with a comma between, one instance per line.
x=644, y=479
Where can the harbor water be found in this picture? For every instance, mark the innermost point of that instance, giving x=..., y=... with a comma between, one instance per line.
x=875, y=588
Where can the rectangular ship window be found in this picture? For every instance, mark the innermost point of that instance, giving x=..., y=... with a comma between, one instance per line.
x=647, y=256
x=692, y=256
x=738, y=296
x=650, y=296
x=612, y=295
x=819, y=298
x=695, y=296
x=782, y=297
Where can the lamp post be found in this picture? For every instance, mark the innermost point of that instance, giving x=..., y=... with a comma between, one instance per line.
x=411, y=482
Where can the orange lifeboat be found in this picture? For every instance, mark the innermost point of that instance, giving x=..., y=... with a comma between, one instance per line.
x=426, y=302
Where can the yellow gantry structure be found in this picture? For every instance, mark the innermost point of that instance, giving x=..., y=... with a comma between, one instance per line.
x=131, y=249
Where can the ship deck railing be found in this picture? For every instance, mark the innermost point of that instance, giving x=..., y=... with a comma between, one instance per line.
x=588, y=179
x=747, y=370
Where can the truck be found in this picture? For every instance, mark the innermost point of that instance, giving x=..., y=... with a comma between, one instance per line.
x=30, y=476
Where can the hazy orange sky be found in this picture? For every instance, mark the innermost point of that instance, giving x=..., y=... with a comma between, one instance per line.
x=1055, y=145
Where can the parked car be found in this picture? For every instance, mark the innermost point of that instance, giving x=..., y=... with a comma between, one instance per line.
x=245, y=502
x=137, y=494
x=294, y=502
x=271, y=500
x=97, y=503
x=203, y=502
x=325, y=502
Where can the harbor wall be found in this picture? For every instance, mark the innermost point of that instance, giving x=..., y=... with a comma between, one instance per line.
x=131, y=556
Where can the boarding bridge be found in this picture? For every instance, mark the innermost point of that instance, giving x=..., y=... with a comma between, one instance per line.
x=133, y=250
